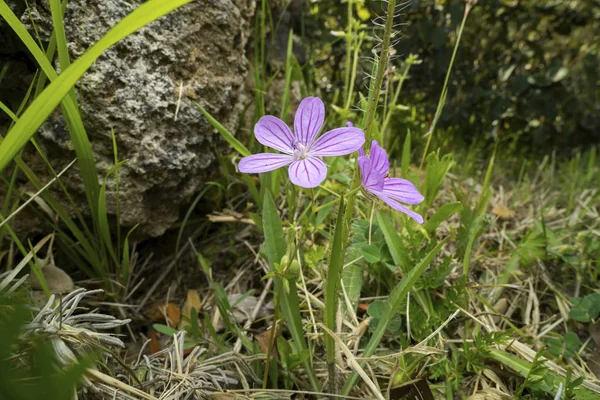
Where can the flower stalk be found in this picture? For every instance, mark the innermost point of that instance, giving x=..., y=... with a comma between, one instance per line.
x=381, y=67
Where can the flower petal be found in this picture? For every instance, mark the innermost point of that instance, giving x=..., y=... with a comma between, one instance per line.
x=371, y=179
x=402, y=190
x=379, y=158
x=309, y=120
x=308, y=173
x=338, y=142
x=263, y=162
x=397, y=206
x=274, y=133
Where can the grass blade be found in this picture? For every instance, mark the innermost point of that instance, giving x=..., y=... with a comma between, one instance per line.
x=334, y=274
x=236, y=144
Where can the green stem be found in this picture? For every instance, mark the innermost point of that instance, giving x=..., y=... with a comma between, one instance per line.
x=334, y=276
x=349, y=40
x=442, y=99
x=381, y=67
x=353, y=74
x=272, y=338
x=389, y=113
x=350, y=193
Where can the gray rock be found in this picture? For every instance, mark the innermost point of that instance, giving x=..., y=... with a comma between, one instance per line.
x=134, y=89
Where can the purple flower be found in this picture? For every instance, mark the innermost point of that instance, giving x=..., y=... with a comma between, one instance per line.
x=374, y=177
x=301, y=151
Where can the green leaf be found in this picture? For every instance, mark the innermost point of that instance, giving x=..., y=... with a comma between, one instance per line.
x=585, y=309
x=370, y=253
x=394, y=243
x=164, y=329
x=334, y=275
x=376, y=309
x=566, y=346
x=236, y=144
x=352, y=277
x=274, y=238
x=285, y=350
x=442, y=214
x=505, y=72
x=434, y=176
x=298, y=358
x=557, y=73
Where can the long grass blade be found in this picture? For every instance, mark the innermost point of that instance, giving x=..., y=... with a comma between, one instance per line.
x=334, y=275
x=236, y=144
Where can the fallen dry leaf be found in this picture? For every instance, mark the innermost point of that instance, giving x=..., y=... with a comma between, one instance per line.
x=173, y=315
x=156, y=311
x=192, y=301
x=500, y=308
x=58, y=281
x=159, y=312
x=154, y=345
x=263, y=340
x=503, y=212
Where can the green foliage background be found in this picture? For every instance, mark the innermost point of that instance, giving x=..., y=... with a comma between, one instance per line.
x=527, y=71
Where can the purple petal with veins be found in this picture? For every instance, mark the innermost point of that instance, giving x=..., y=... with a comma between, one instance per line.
x=402, y=190
x=371, y=180
x=379, y=159
x=274, y=133
x=392, y=191
x=397, y=206
x=264, y=162
x=338, y=142
x=301, y=149
x=308, y=173
x=309, y=120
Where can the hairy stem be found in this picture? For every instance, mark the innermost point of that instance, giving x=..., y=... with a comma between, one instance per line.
x=381, y=67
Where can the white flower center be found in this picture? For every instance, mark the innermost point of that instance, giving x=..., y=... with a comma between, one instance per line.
x=300, y=151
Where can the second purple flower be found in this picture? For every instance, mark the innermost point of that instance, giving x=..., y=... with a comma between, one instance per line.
x=393, y=191
x=302, y=150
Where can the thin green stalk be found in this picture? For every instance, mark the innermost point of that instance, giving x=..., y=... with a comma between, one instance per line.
x=334, y=276
x=272, y=338
x=394, y=100
x=285, y=103
x=442, y=100
x=350, y=193
x=117, y=196
x=381, y=67
x=349, y=40
x=353, y=73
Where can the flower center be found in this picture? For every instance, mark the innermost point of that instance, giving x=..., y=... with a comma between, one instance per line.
x=300, y=151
